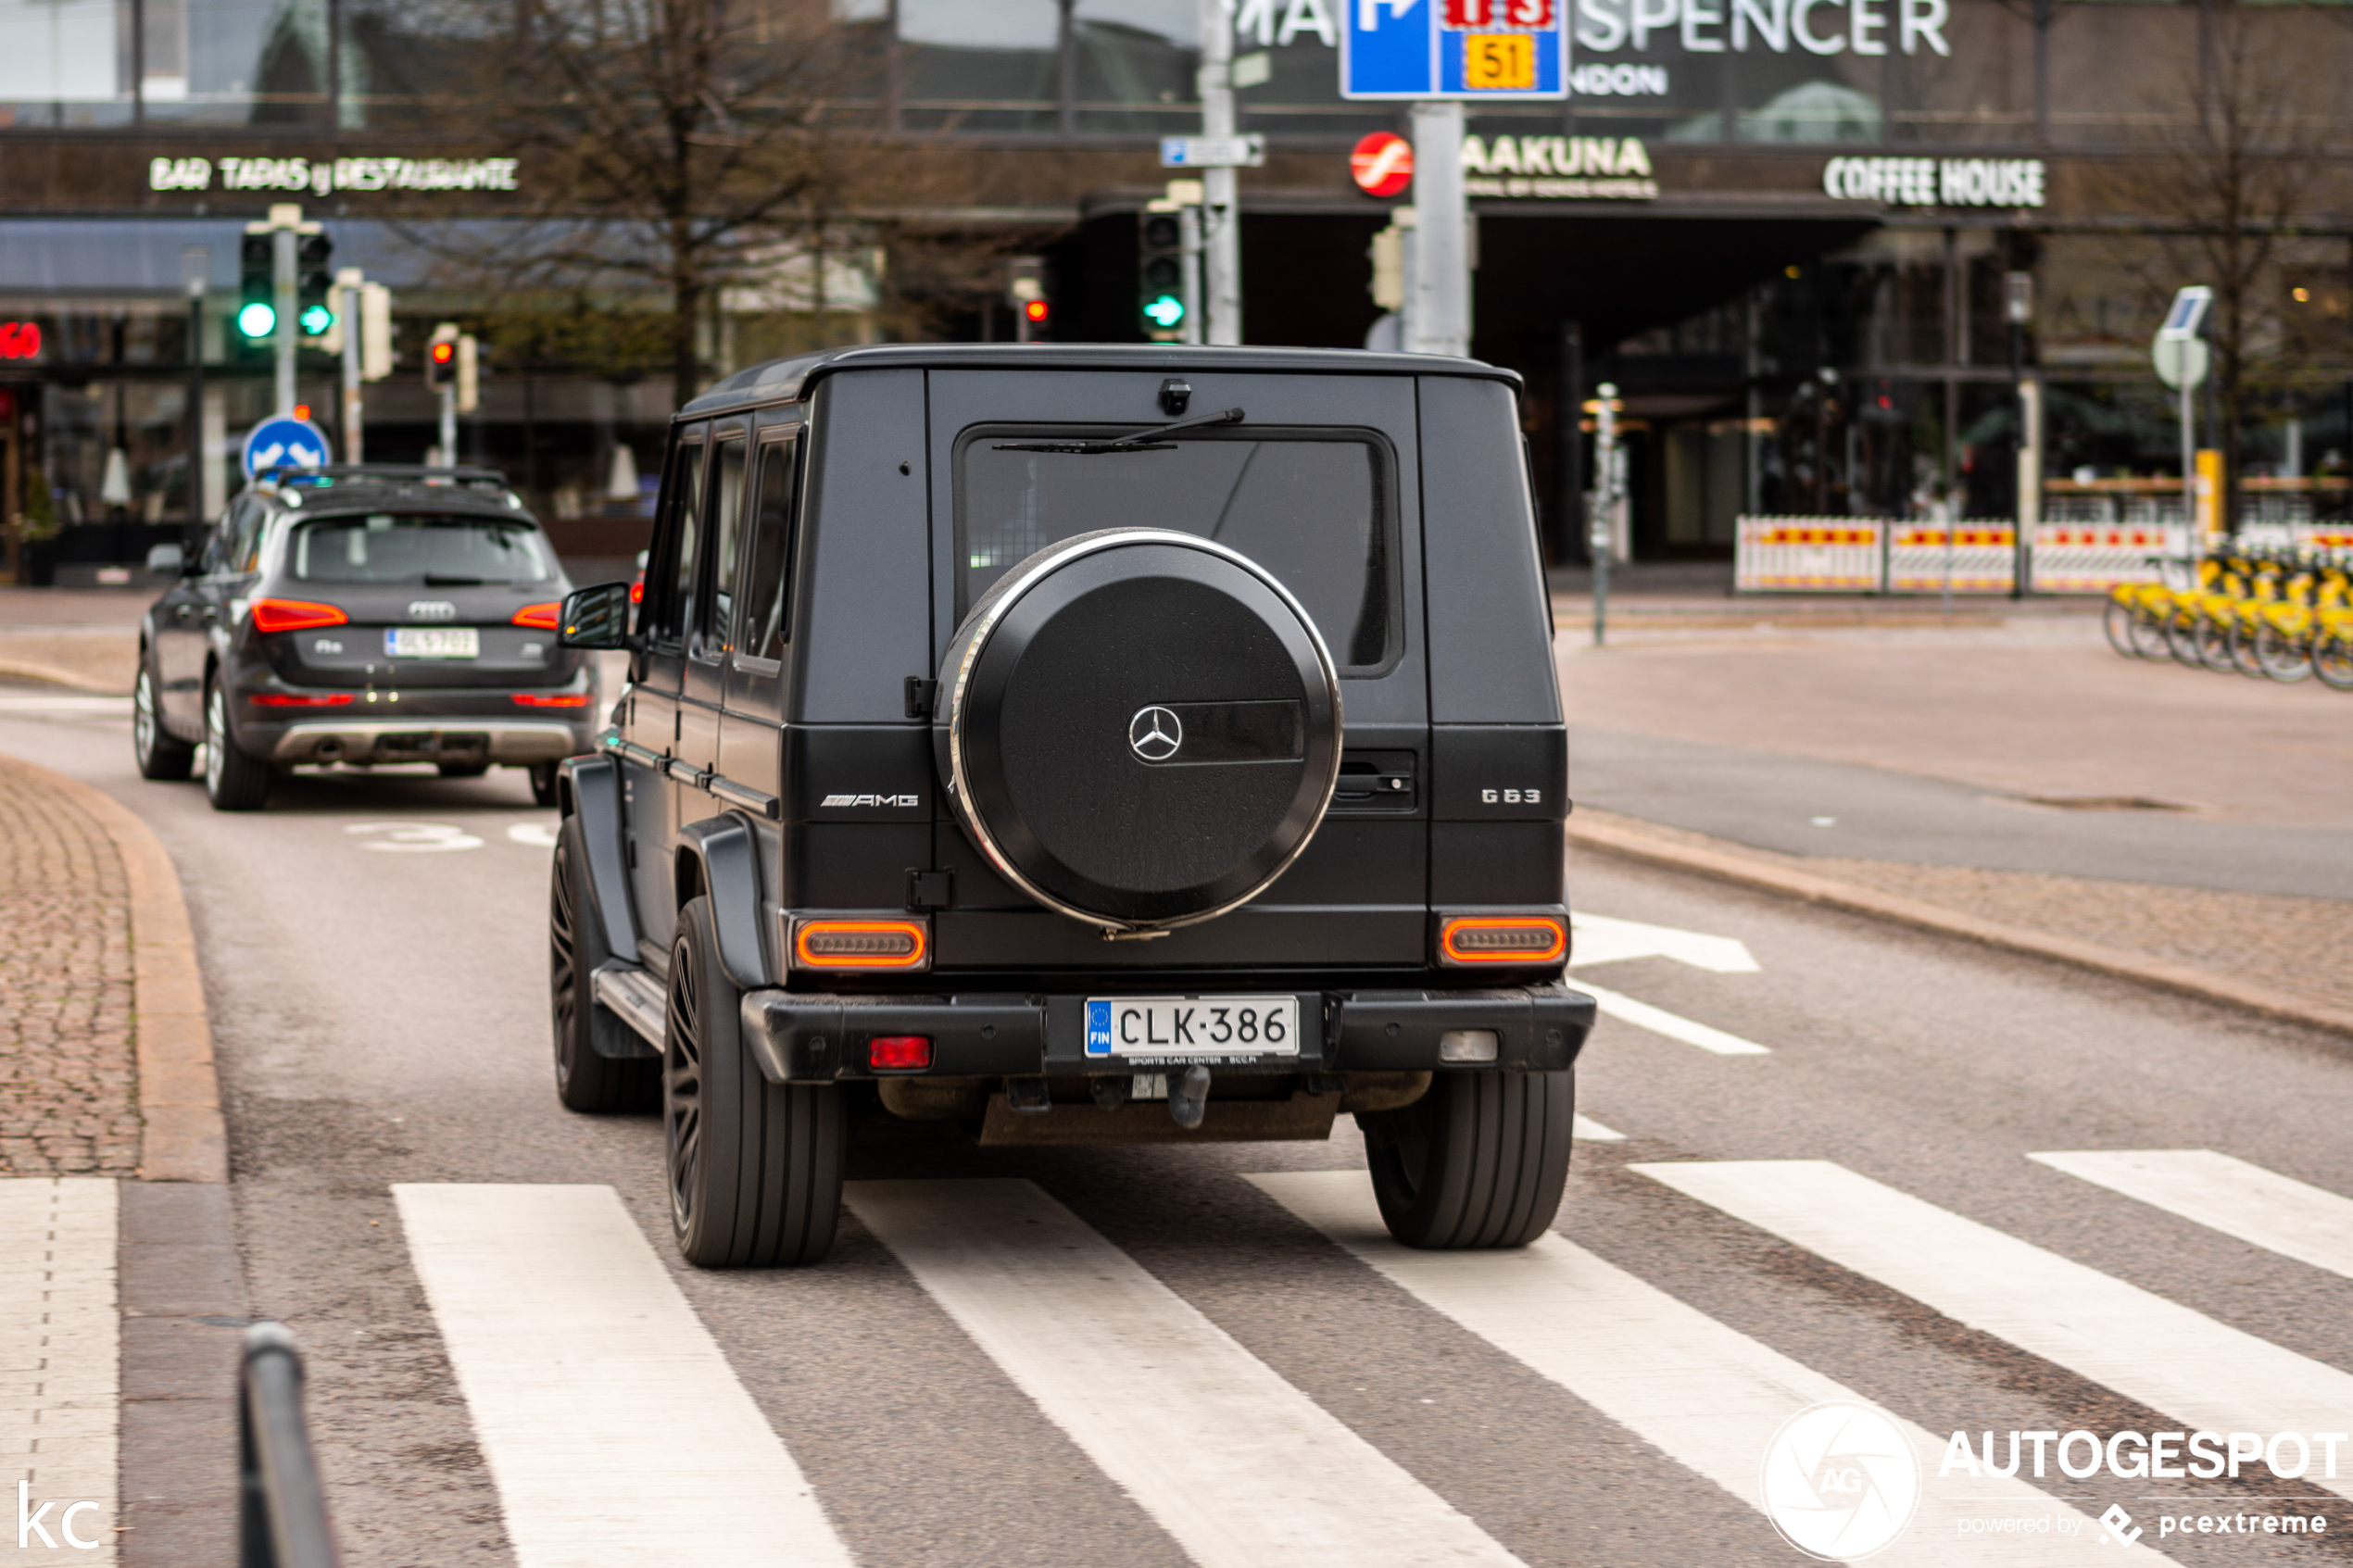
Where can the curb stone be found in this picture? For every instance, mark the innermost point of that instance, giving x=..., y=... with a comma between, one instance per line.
x=1609, y=834
x=26, y=669
x=182, y=1138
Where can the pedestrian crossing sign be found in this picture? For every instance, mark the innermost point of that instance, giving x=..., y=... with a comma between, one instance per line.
x=1466, y=49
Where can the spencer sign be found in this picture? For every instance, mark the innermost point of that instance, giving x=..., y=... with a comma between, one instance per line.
x=322, y=176
x=1936, y=181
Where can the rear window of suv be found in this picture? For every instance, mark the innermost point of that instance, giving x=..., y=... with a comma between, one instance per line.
x=1317, y=508
x=435, y=550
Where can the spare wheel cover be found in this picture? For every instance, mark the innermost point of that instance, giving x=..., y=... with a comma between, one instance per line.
x=1142, y=728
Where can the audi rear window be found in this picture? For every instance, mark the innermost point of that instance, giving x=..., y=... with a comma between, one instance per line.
x=434, y=550
x=1316, y=508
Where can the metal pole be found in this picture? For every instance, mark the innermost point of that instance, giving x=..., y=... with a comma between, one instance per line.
x=449, y=424
x=282, y=242
x=1221, y=211
x=2191, y=544
x=1572, y=442
x=1602, y=539
x=2019, y=454
x=196, y=273
x=1189, y=227
x=355, y=444
x=1441, y=319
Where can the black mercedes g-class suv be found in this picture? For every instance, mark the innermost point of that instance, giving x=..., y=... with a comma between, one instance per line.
x=362, y=615
x=1084, y=744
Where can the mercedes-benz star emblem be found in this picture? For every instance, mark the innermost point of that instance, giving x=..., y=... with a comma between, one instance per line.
x=1155, y=734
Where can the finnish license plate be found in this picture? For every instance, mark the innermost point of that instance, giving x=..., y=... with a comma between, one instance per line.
x=1190, y=1028
x=433, y=642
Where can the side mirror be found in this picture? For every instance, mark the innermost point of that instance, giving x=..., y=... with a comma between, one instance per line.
x=167, y=560
x=595, y=617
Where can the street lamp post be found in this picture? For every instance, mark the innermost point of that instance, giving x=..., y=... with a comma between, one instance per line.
x=1602, y=539
x=2018, y=305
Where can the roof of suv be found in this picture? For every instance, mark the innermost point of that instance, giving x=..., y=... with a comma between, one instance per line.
x=474, y=491
x=784, y=380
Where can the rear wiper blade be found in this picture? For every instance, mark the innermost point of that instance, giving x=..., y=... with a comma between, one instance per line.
x=436, y=579
x=1142, y=440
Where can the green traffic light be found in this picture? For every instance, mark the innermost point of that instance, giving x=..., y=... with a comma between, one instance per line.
x=257, y=319
x=316, y=319
x=1165, y=311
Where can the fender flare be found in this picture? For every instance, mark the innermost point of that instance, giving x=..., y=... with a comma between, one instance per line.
x=727, y=857
x=589, y=788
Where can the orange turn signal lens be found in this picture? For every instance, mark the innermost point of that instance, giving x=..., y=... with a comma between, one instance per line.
x=1521, y=939
x=862, y=944
x=541, y=616
x=295, y=615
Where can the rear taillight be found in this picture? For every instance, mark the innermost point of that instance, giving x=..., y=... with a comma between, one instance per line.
x=1493, y=939
x=552, y=699
x=540, y=616
x=899, y=1053
x=636, y=593
x=300, y=699
x=862, y=944
x=295, y=615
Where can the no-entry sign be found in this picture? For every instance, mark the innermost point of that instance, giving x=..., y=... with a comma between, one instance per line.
x=1382, y=163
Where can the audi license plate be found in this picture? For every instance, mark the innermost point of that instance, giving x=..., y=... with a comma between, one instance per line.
x=1192, y=1028
x=432, y=641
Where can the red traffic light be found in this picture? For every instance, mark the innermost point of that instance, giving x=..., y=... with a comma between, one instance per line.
x=444, y=351
x=1035, y=309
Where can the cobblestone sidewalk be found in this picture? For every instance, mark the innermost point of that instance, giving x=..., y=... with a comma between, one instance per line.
x=69, y=1083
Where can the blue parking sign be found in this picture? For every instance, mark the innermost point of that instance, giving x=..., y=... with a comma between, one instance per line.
x=1466, y=49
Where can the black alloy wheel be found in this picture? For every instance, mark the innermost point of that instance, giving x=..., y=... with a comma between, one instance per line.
x=160, y=754
x=1478, y=1161
x=586, y=1079
x=232, y=780
x=754, y=1168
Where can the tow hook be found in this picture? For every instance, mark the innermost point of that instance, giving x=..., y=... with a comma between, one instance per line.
x=1188, y=1098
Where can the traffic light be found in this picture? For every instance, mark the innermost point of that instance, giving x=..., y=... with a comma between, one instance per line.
x=441, y=358
x=314, y=284
x=257, y=286
x=1025, y=290
x=1160, y=274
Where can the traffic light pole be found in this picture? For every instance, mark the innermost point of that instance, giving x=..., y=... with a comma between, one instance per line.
x=450, y=425
x=1221, y=209
x=1439, y=314
x=355, y=443
x=282, y=244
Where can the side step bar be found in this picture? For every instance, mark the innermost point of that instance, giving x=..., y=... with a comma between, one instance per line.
x=635, y=997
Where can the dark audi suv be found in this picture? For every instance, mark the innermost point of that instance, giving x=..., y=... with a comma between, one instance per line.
x=1079, y=744
x=361, y=616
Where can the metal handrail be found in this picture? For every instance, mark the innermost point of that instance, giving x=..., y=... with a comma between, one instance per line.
x=282, y=1514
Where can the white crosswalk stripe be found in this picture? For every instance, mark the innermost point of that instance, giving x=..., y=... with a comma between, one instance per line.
x=614, y=1428
x=60, y=1354
x=1240, y=1467
x=1658, y=1021
x=1585, y=1128
x=1708, y=1396
x=2204, y=1373
x=2244, y=1201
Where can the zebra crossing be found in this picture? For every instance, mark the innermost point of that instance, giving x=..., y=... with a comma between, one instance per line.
x=616, y=1433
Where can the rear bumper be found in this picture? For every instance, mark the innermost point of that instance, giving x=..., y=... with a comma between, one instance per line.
x=429, y=739
x=803, y=1038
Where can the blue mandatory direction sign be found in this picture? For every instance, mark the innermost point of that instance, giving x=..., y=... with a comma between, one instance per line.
x=285, y=442
x=1467, y=49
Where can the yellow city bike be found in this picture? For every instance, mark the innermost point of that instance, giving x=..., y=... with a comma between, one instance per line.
x=2273, y=612
x=2310, y=630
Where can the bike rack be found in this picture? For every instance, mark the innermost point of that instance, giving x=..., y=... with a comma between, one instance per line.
x=281, y=1513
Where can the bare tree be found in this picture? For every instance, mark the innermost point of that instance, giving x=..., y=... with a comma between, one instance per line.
x=673, y=145
x=2241, y=160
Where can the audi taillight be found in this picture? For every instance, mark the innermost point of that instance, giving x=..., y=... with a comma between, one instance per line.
x=540, y=616
x=295, y=615
x=862, y=944
x=300, y=699
x=1502, y=939
x=552, y=699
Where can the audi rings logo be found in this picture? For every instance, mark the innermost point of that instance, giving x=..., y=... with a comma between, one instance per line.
x=1155, y=734
x=1840, y=1481
x=431, y=609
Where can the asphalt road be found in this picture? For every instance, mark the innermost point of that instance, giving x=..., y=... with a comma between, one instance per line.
x=375, y=968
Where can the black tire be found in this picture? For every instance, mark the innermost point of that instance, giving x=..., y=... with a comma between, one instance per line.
x=585, y=1079
x=543, y=783
x=463, y=770
x=160, y=754
x=1478, y=1161
x=754, y=1168
x=232, y=780
x=2146, y=633
x=2243, y=658
x=2181, y=636
x=2279, y=656
x=2333, y=658
x=2212, y=641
